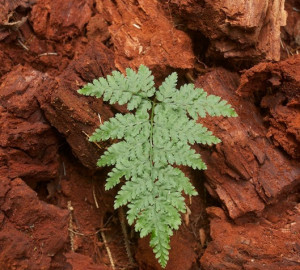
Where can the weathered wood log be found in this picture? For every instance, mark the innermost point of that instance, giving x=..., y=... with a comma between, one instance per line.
x=56, y=20
x=268, y=242
x=73, y=115
x=31, y=231
x=246, y=171
x=236, y=30
x=290, y=33
x=28, y=144
x=275, y=87
x=142, y=33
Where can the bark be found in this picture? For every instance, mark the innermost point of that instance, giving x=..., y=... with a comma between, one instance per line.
x=19, y=248
x=276, y=88
x=28, y=144
x=246, y=171
x=236, y=30
x=50, y=49
x=73, y=115
x=142, y=33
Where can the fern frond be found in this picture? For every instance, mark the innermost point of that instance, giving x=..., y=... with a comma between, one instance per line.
x=134, y=89
x=167, y=89
x=168, y=152
x=128, y=150
x=195, y=101
x=157, y=212
x=178, y=180
x=114, y=178
x=174, y=125
x=131, y=190
x=122, y=126
x=151, y=143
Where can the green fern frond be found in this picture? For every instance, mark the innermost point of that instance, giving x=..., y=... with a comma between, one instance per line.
x=122, y=126
x=176, y=153
x=176, y=126
x=151, y=143
x=179, y=181
x=116, y=88
x=167, y=89
x=195, y=101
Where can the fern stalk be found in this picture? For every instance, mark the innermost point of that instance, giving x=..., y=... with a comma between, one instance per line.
x=151, y=136
x=151, y=144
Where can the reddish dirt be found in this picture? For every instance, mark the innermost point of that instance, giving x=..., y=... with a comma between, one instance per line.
x=54, y=212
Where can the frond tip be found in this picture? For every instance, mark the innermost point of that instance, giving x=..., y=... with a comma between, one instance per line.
x=156, y=135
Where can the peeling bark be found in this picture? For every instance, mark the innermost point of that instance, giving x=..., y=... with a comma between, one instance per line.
x=246, y=171
x=237, y=30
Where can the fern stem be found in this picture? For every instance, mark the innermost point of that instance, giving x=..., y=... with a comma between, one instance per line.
x=125, y=234
x=151, y=137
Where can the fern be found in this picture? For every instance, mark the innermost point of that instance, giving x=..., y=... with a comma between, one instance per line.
x=155, y=136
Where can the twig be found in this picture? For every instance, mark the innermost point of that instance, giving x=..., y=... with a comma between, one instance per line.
x=89, y=137
x=14, y=25
x=47, y=53
x=23, y=45
x=88, y=234
x=286, y=48
x=78, y=233
x=70, y=208
x=186, y=216
x=136, y=26
x=108, y=250
x=94, y=195
x=202, y=236
x=281, y=43
x=100, y=120
x=125, y=234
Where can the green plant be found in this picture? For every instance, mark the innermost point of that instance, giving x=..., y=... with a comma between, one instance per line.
x=156, y=135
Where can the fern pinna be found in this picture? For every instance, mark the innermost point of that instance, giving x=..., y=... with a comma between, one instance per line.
x=154, y=137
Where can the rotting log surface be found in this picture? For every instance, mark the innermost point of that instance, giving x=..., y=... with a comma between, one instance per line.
x=246, y=171
x=253, y=173
x=237, y=30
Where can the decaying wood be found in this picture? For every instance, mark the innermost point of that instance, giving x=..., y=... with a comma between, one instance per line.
x=246, y=171
x=254, y=172
x=74, y=115
x=236, y=29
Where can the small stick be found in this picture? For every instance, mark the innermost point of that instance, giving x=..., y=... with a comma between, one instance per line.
x=124, y=230
x=78, y=233
x=94, y=195
x=89, y=137
x=47, y=53
x=89, y=234
x=99, y=116
x=14, y=25
x=187, y=216
x=70, y=208
x=136, y=26
x=281, y=44
x=23, y=45
x=202, y=237
x=108, y=250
